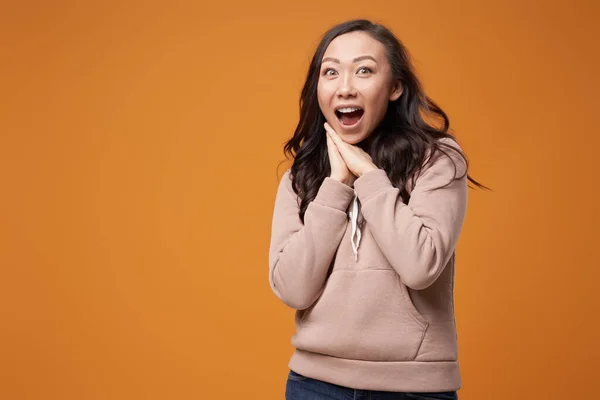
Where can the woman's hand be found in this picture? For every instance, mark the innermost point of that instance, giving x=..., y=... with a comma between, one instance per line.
x=339, y=170
x=355, y=159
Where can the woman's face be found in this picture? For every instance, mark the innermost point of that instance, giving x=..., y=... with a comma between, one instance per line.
x=355, y=85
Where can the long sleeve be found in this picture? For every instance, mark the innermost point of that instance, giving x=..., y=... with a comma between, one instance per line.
x=417, y=238
x=300, y=254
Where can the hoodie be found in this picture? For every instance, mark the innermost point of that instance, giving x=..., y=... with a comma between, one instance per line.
x=374, y=299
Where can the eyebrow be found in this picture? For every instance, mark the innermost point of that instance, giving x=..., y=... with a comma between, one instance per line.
x=357, y=59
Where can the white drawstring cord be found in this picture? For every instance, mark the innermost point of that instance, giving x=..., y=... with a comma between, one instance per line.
x=355, y=228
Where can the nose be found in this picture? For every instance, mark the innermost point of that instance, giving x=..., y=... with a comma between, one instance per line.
x=346, y=87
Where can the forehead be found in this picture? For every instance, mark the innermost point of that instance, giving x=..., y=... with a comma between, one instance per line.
x=354, y=44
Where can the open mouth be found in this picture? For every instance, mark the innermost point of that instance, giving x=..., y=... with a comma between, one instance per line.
x=349, y=116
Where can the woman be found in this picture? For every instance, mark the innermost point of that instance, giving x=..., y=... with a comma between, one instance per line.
x=365, y=227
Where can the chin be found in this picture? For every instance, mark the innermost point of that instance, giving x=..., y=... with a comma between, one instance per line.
x=353, y=138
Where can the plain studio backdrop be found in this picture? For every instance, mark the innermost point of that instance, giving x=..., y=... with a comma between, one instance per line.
x=139, y=144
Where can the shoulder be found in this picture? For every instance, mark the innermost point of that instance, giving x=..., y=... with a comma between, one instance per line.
x=446, y=162
x=285, y=183
x=450, y=146
x=286, y=178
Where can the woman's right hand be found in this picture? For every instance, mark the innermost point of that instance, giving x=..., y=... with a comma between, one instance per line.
x=339, y=170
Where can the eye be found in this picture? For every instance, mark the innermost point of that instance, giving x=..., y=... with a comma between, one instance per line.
x=329, y=72
x=364, y=70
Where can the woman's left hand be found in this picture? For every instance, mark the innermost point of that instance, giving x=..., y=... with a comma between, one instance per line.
x=356, y=159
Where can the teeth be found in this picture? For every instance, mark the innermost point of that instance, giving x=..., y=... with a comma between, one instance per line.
x=348, y=109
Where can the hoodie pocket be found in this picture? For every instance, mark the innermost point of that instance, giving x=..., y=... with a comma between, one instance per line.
x=363, y=314
x=415, y=314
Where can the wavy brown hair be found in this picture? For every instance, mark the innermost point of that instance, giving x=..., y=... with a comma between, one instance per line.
x=400, y=143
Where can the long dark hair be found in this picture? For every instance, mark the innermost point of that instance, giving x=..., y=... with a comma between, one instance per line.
x=400, y=143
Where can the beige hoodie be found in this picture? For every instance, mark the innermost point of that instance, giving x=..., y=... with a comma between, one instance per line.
x=374, y=303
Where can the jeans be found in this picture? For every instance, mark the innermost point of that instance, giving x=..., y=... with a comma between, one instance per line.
x=300, y=387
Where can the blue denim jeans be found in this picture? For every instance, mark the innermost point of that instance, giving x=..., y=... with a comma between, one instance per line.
x=300, y=387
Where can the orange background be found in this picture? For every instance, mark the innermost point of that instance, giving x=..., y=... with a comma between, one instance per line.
x=138, y=152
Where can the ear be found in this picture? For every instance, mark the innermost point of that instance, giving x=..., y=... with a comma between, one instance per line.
x=396, y=91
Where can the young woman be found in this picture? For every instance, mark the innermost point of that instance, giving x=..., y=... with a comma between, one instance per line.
x=365, y=227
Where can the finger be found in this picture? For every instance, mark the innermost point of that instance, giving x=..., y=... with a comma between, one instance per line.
x=332, y=148
x=330, y=144
x=335, y=137
x=330, y=130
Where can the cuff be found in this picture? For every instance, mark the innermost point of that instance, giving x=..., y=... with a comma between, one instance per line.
x=371, y=183
x=334, y=194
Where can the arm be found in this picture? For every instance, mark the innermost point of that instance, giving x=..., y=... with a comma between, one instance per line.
x=417, y=238
x=300, y=254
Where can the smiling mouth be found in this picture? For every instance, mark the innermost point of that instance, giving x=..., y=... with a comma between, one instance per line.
x=349, y=116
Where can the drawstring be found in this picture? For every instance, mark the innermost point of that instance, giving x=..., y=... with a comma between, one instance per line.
x=355, y=228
